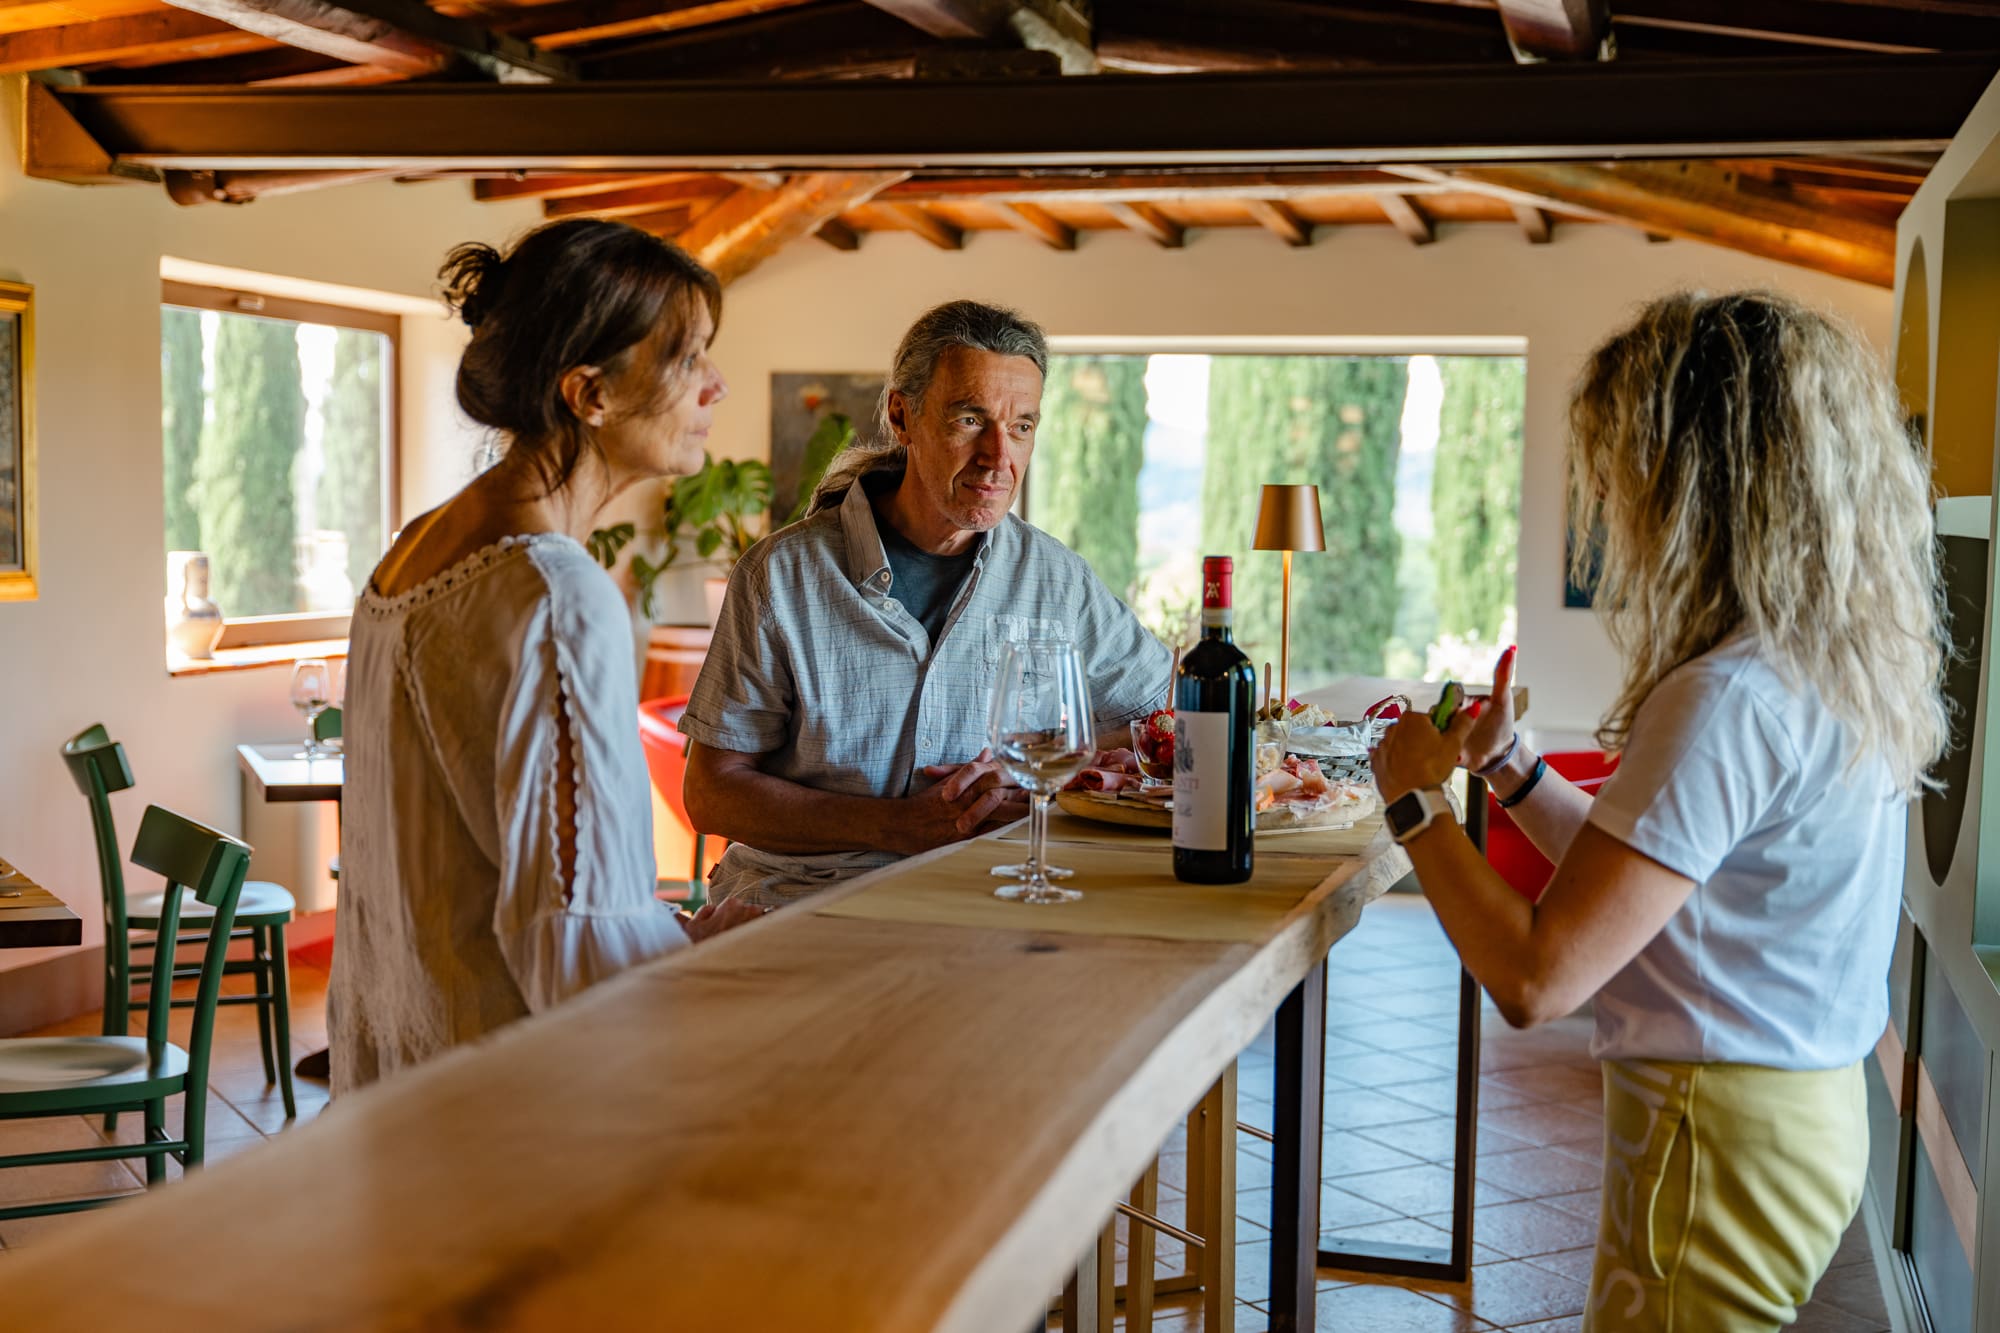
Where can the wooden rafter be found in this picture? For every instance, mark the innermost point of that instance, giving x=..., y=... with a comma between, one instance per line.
x=1149, y=221
x=1057, y=26
x=552, y=186
x=1536, y=225
x=750, y=226
x=1147, y=186
x=405, y=36
x=839, y=235
x=1408, y=218
x=1558, y=29
x=640, y=199
x=1703, y=203
x=1181, y=36
x=1036, y=221
x=166, y=34
x=928, y=225
x=566, y=23
x=1281, y=220
x=832, y=38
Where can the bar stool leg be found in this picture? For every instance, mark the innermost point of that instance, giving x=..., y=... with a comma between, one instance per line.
x=1216, y=1223
x=1139, y=1254
x=1090, y=1297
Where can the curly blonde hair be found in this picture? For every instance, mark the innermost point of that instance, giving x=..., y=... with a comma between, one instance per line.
x=1743, y=464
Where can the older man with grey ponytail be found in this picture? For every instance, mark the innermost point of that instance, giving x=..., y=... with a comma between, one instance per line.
x=838, y=723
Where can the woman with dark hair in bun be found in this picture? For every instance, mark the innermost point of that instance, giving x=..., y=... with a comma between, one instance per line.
x=497, y=848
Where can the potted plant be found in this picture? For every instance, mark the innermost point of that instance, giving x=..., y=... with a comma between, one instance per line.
x=718, y=509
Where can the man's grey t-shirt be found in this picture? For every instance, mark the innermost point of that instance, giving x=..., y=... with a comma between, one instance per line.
x=924, y=583
x=819, y=668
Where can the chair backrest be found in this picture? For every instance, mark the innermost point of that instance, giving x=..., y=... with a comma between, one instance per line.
x=213, y=865
x=326, y=727
x=665, y=747
x=1508, y=850
x=98, y=766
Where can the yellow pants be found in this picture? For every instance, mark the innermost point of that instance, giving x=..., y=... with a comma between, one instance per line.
x=1727, y=1189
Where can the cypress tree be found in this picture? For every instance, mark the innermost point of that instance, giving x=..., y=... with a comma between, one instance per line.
x=1335, y=422
x=1088, y=453
x=1476, y=493
x=249, y=520
x=181, y=407
x=349, y=498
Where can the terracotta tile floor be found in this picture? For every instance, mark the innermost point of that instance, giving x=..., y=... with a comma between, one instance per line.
x=1387, y=1150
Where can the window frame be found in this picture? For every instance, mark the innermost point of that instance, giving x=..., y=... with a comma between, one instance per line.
x=300, y=628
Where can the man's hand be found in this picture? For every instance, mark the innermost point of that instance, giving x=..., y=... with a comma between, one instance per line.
x=965, y=799
x=714, y=918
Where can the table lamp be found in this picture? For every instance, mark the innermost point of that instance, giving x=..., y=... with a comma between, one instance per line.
x=1288, y=521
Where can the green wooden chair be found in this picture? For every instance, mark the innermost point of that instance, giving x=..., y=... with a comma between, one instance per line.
x=52, y=1076
x=98, y=766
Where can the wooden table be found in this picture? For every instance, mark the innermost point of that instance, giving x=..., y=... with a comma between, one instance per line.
x=279, y=777
x=817, y=1121
x=30, y=916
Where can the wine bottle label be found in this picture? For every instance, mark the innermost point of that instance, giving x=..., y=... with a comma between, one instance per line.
x=1201, y=781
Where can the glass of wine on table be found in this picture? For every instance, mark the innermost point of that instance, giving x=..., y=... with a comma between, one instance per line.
x=312, y=694
x=1042, y=734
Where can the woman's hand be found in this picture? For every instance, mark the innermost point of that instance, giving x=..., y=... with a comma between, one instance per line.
x=1493, y=732
x=714, y=918
x=1414, y=753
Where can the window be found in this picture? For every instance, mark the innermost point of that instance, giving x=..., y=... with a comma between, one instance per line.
x=278, y=426
x=1145, y=463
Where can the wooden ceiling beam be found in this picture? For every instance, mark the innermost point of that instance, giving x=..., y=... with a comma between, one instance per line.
x=839, y=235
x=554, y=186
x=1700, y=202
x=1061, y=27
x=1535, y=224
x=1281, y=220
x=1888, y=26
x=640, y=199
x=166, y=34
x=1150, y=187
x=1150, y=222
x=928, y=225
x=1408, y=218
x=1557, y=29
x=402, y=35
x=830, y=39
x=566, y=23
x=1036, y=221
x=1536, y=113
x=750, y=226
x=1182, y=36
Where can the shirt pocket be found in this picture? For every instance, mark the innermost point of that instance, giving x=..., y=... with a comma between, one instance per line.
x=1003, y=629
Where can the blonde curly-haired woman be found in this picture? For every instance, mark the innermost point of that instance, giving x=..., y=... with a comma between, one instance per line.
x=1729, y=898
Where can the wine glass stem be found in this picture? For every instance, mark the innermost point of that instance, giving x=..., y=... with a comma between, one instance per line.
x=1038, y=833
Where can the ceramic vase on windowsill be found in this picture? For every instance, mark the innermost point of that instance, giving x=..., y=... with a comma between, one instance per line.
x=194, y=621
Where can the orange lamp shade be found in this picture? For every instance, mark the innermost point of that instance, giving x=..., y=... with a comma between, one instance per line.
x=1288, y=520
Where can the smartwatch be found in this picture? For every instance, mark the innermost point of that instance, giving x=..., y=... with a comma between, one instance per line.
x=1412, y=812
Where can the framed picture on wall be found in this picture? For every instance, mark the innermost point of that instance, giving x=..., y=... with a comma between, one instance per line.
x=799, y=402
x=17, y=442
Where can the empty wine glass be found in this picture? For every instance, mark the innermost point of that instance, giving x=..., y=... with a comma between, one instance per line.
x=1041, y=731
x=312, y=694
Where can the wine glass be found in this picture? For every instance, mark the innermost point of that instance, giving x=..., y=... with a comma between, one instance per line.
x=312, y=694
x=1041, y=731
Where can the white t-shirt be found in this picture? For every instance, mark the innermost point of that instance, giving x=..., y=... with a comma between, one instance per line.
x=1780, y=957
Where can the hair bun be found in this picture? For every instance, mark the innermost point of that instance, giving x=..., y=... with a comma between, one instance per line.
x=474, y=277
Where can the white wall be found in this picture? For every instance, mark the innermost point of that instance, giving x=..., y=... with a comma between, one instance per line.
x=90, y=649
x=816, y=309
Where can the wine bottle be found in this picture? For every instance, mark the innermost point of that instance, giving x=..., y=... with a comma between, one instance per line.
x=1214, y=744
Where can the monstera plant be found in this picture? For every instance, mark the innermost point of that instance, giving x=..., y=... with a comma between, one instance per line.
x=716, y=509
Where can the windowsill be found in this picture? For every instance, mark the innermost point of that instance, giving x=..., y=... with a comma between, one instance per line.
x=249, y=659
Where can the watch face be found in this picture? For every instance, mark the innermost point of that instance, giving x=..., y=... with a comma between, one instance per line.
x=1405, y=813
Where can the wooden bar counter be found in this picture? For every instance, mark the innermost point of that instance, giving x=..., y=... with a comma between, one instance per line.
x=818, y=1121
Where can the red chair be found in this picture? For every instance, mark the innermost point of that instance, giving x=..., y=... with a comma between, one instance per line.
x=666, y=759
x=1508, y=849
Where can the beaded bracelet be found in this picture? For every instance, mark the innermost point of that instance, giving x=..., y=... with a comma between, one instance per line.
x=1521, y=792
x=1500, y=763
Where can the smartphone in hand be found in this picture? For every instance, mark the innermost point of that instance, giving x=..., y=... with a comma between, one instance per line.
x=1449, y=701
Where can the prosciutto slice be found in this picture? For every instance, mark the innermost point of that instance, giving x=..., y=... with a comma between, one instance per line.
x=1103, y=779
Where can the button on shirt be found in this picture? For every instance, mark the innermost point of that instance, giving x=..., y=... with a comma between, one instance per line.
x=819, y=669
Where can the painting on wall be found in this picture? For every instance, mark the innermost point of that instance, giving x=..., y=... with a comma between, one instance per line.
x=799, y=404
x=17, y=442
